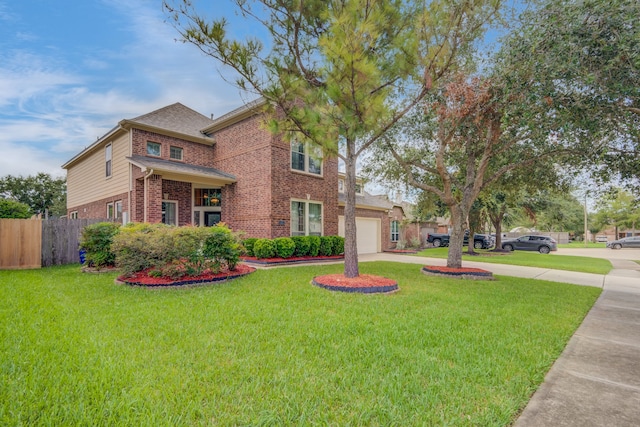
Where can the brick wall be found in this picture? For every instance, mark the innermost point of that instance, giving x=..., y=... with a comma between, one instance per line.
x=244, y=150
x=181, y=192
x=98, y=208
x=154, y=198
x=288, y=184
x=192, y=152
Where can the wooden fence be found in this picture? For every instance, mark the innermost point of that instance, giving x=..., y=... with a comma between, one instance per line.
x=35, y=243
x=20, y=243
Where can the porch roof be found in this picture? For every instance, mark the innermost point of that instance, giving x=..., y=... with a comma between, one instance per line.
x=182, y=172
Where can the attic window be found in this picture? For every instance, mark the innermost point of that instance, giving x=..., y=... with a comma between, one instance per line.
x=175, y=153
x=153, y=149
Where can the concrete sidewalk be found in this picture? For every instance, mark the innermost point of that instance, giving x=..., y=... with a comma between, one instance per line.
x=596, y=380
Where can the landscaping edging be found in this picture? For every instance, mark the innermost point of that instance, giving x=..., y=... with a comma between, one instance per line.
x=458, y=273
x=364, y=284
x=201, y=280
x=269, y=262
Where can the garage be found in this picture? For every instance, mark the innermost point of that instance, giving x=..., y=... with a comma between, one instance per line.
x=369, y=234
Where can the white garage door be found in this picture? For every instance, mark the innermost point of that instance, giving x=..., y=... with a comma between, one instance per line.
x=369, y=233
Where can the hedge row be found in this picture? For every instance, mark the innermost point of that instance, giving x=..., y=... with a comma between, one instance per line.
x=299, y=246
x=167, y=251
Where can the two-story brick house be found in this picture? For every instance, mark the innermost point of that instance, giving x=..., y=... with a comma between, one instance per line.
x=177, y=166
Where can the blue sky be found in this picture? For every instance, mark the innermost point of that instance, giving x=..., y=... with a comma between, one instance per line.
x=70, y=70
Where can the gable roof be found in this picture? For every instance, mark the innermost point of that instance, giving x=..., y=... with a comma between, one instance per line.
x=369, y=201
x=175, y=120
x=247, y=110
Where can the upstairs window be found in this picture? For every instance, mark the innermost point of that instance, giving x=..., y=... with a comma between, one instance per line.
x=107, y=160
x=153, y=149
x=175, y=153
x=306, y=158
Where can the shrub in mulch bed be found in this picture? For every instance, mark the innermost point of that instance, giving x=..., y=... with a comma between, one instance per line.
x=291, y=260
x=458, y=273
x=364, y=283
x=142, y=278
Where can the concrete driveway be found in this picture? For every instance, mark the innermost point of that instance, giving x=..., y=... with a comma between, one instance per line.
x=632, y=254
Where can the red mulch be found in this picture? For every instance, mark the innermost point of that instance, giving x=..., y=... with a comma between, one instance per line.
x=364, y=283
x=142, y=278
x=461, y=272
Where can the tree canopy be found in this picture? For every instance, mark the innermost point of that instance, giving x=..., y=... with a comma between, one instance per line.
x=340, y=73
x=584, y=58
x=42, y=193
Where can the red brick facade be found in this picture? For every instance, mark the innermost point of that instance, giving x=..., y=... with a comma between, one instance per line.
x=98, y=208
x=258, y=203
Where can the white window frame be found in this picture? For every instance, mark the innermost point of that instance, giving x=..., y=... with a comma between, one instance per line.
x=159, y=147
x=117, y=209
x=73, y=215
x=395, y=233
x=110, y=210
x=293, y=232
x=307, y=149
x=108, y=160
x=176, y=149
x=175, y=202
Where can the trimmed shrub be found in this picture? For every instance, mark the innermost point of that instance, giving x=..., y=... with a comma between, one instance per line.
x=338, y=245
x=326, y=246
x=302, y=245
x=285, y=247
x=176, y=251
x=96, y=241
x=221, y=247
x=264, y=248
x=314, y=245
x=141, y=246
x=248, y=245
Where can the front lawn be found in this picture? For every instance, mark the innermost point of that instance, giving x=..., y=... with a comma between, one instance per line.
x=529, y=259
x=271, y=349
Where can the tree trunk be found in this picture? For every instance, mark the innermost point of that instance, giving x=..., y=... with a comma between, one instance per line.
x=350, y=236
x=454, y=256
x=497, y=223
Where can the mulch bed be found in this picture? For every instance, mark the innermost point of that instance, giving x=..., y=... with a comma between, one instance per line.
x=143, y=279
x=292, y=260
x=364, y=283
x=458, y=273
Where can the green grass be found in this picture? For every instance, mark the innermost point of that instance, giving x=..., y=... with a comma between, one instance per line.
x=530, y=259
x=271, y=349
x=580, y=245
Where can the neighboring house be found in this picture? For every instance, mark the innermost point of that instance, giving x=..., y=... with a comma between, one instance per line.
x=177, y=166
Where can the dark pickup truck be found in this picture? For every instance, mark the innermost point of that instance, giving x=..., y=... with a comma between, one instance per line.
x=480, y=241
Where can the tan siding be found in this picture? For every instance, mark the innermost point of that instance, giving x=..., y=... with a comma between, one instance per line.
x=86, y=181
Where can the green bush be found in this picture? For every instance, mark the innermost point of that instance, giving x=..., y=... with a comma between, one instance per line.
x=326, y=246
x=96, y=240
x=264, y=248
x=285, y=247
x=13, y=209
x=302, y=245
x=248, y=245
x=221, y=247
x=338, y=245
x=314, y=245
x=176, y=251
x=141, y=246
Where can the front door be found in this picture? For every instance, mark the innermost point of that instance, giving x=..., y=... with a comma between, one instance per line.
x=211, y=218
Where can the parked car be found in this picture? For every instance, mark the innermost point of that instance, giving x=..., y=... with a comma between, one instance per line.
x=542, y=244
x=480, y=241
x=626, y=242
